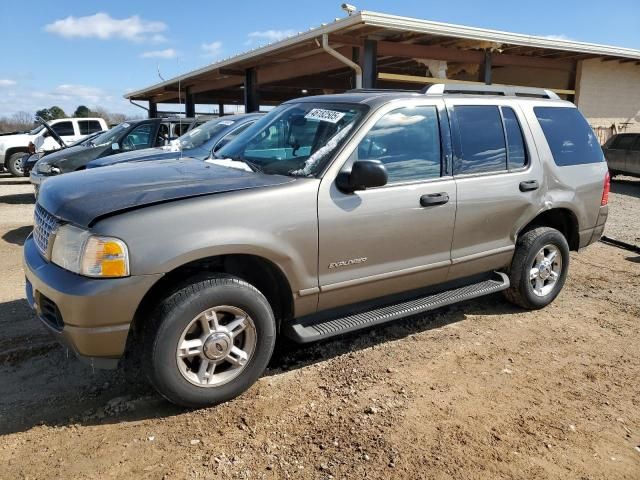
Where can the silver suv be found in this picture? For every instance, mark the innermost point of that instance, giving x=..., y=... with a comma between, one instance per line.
x=329, y=215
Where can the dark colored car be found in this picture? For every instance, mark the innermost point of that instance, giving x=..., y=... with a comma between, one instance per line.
x=622, y=152
x=128, y=136
x=200, y=142
x=29, y=161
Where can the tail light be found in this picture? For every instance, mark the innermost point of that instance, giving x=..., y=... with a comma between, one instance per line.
x=605, y=190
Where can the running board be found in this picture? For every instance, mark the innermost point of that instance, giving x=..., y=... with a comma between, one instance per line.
x=311, y=330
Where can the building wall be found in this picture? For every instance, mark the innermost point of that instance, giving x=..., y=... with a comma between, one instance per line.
x=609, y=95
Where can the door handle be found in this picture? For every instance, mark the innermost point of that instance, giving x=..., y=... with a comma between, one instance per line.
x=528, y=185
x=432, y=199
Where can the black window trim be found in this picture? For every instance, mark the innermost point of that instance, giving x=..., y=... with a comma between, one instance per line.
x=506, y=140
x=619, y=137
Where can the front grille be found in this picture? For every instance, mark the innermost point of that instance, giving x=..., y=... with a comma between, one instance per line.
x=44, y=224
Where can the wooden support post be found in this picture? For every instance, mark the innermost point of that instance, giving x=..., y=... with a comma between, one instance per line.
x=370, y=64
x=153, y=109
x=189, y=103
x=251, y=102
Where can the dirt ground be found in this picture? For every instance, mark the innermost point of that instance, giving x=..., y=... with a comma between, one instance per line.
x=477, y=390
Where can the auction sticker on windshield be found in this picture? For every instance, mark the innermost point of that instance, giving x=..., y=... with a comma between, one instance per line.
x=324, y=115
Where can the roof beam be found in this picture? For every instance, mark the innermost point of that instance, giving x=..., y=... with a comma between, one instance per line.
x=322, y=62
x=412, y=50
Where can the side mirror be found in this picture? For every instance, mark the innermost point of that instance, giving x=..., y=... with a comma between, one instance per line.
x=364, y=174
x=115, y=146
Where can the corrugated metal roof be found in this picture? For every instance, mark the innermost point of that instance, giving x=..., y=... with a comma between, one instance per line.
x=405, y=24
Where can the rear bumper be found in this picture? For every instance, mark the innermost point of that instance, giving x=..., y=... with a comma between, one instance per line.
x=91, y=316
x=592, y=235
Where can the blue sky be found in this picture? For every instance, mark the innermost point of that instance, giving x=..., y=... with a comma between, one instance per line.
x=91, y=52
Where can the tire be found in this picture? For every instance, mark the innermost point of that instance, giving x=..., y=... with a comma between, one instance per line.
x=14, y=164
x=175, y=371
x=522, y=291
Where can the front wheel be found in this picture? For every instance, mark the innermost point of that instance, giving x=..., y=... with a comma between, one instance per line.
x=209, y=342
x=15, y=164
x=539, y=268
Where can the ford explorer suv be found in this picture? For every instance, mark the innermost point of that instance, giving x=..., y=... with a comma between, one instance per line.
x=125, y=137
x=622, y=152
x=329, y=215
x=200, y=142
x=15, y=146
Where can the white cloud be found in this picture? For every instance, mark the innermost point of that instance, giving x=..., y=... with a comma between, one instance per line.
x=268, y=36
x=103, y=26
x=166, y=53
x=213, y=49
x=561, y=36
x=5, y=82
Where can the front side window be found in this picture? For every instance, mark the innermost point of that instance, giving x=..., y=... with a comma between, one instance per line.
x=139, y=137
x=64, y=129
x=295, y=139
x=407, y=142
x=231, y=136
x=480, y=143
x=570, y=138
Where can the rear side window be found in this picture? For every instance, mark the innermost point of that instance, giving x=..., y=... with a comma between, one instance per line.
x=636, y=146
x=623, y=142
x=480, y=145
x=64, y=129
x=570, y=138
x=87, y=127
x=516, y=151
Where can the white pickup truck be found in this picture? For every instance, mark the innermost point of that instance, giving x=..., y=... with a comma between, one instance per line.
x=15, y=145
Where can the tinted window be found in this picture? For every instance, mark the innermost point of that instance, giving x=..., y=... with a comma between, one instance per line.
x=636, y=146
x=407, y=141
x=480, y=146
x=87, y=127
x=570, y=138
x=231, y=136
x=63, y=129
x=516, y=151
x=623, y=142
x=139, y=137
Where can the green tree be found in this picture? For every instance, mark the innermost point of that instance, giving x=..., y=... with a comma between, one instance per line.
x=44, y=114
x=56, y=112
x=82, y=112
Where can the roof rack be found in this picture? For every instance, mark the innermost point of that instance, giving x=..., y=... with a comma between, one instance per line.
x=479, y=89
x=381, y=90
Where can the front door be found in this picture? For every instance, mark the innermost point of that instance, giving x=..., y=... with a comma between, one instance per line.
x=397, y=237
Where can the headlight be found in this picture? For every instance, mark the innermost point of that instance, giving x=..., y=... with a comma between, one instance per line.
x=78, y=251
x=44, y=167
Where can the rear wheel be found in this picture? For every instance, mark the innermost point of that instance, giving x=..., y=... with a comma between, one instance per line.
x=539, y=268
x=209, y=342
x=15, y=164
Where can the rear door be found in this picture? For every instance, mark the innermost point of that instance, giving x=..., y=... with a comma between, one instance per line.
x=394, y=238
x=496, y=181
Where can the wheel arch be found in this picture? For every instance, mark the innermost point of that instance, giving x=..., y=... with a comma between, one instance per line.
x=11, y=150
x=260, y=272
x=562, y=219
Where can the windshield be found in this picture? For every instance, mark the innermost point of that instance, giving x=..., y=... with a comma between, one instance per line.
x=36, y=130
x=295, y=138
x=110, y=136
x=200, y=135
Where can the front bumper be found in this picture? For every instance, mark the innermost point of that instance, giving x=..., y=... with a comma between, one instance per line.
x=91, y=316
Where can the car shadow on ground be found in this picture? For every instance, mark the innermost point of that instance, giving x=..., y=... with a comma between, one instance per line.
x=626, y=186
x=92, y=397
x=18, y=199
x=13, y=182
x=17, y=236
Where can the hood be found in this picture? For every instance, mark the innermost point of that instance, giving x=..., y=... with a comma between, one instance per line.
x=72, y=158
x=82, y=197
x=159, y=153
